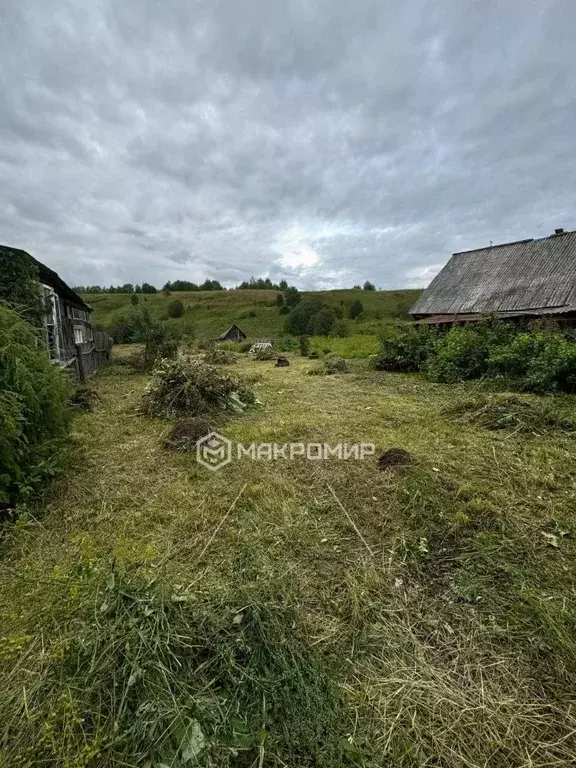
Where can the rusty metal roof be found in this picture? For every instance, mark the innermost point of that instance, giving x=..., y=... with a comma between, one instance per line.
x=528, y=274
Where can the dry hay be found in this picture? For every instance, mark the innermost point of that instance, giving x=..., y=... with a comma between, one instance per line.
x=329, y=365
x=394, y=457
x=186, y=433
x=220, y=357
x=511, y=412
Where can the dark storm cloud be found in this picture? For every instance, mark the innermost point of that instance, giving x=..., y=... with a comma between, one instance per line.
x=326, y=142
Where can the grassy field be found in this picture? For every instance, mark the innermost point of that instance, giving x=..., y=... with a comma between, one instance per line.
x=298, y=613
x=255, y=311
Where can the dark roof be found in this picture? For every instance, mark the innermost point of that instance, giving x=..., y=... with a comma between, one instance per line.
x=224, y=335
x=51, y=278
x=472, y=318
x=527, y=274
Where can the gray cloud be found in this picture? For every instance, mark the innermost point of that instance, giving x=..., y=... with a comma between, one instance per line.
x=326, y=142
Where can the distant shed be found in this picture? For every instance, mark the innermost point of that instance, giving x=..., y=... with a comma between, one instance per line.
x=524, y=279
x=234, y=333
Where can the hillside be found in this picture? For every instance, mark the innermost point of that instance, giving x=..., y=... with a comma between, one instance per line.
x=255, y=311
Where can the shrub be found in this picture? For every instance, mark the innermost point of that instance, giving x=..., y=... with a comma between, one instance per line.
x=355, y=309
x=329, y=364
x=541, y=362
x=463, y=353
x=340, y=328
x=404, y=348
x=175, y=309
x=192, y=388
x=20, y=287
x=34, y=411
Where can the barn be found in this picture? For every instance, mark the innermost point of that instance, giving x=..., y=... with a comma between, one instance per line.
x=72, y=341
x=234, y=333
x=522, y=280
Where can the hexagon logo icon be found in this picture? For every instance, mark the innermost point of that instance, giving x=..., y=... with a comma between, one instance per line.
x=214, y=451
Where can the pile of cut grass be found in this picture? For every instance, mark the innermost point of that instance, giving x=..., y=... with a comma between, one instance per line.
x=511, y=412
x=127, y=671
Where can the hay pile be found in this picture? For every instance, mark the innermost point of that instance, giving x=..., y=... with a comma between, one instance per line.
x=182, y=387
x=511, y=412
x=330, y=363
x=220, y=357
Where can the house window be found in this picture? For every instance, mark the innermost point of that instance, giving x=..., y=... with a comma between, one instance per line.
x=80, y=335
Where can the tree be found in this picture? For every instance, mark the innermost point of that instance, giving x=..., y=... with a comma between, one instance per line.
x=323, y=322
x=368, y=286
x=175, y=308
x=298, y=319
x=292, y=296
x=20, y=286
x=355, y=309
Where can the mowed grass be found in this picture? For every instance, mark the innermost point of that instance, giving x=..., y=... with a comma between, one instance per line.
x=298, y=613
x=255, y=311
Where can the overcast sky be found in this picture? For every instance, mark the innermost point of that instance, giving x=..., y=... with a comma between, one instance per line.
x=323, y=141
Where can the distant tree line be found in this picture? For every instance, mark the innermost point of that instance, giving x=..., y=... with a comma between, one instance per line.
x=289, y=293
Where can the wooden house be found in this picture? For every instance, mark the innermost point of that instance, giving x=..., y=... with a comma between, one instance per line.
x=234, y=333
x=71, y=339
x=523, y=280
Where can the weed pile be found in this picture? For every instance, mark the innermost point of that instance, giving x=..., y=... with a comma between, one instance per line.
x=136, y=674
x=264, y=353
x=509, y=412
x=192, y=388
x=330, y=363
x=220, y=357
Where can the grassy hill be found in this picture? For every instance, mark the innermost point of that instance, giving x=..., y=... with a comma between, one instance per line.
x=255, y=311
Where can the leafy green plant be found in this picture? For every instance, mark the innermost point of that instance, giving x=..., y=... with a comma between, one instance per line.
x=403, y=348
x=34, y=411
x=175, y=309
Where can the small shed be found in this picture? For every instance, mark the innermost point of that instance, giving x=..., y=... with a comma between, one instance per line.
x=234, y=333
x=523, y=280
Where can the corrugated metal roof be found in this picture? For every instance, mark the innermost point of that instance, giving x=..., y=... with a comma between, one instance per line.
x=528, y=274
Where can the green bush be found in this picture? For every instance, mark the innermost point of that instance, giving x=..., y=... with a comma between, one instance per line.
x=34, y=411
x=404, y=348
x=175, y=309
x=304, y=345
x=544, y=361
x=464, y=352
